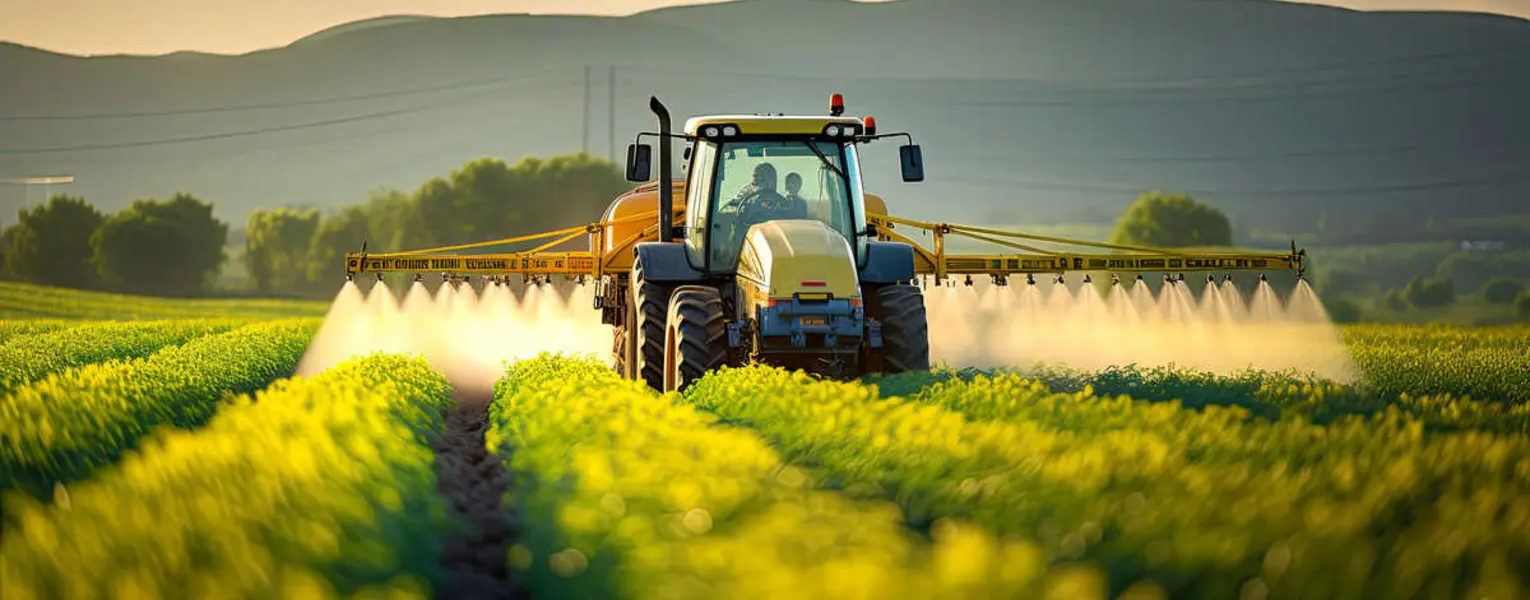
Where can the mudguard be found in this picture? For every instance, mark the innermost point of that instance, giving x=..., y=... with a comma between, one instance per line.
x=666, y=262
x=888, y=262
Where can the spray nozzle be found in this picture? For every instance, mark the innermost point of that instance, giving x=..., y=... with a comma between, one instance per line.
x=1001, y=280
x=1139, y=277
x=350, y=277
x=1029, y=279
x=1088, y=279
x=1167, y=278
x=1181, y=277
x=1115, y=280
x=1059, y=280
x=969, y=281
x=1262, y=277
x=446, y=277
x=379, y=277
x=1227, y=278
x=1211, y=279
x=418, y=278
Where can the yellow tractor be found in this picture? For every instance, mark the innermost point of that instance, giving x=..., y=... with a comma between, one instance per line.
x=770, y=249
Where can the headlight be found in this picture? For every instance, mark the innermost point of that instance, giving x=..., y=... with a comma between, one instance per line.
x=709, y=131
x=832, y=130
x=730, y=131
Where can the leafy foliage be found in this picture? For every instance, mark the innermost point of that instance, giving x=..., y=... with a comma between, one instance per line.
x=314, y=488
x=50, y=244
x=29, y=358
x=26, y=301
x=64, y=426
x=1204, y=503
x=1429, y=293
x=16, y=329
x=162, y=248
x=1172, y=220
x=623, y=493
x=276, y=247
x=1502, y=290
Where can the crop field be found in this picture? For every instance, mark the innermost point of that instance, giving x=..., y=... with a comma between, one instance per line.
x=178, y=457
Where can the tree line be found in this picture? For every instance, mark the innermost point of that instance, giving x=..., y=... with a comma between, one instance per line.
x=176, y=247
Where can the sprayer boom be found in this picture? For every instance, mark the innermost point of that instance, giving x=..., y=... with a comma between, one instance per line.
x=539, y=262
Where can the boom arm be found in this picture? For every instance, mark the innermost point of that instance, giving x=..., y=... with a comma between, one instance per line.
x=539, y=262
x=1037, y=260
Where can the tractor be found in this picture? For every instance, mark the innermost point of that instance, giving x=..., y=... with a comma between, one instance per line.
x=746, y=269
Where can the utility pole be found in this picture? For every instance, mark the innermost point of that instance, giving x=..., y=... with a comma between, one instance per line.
x=586, y=146
x=612, y=117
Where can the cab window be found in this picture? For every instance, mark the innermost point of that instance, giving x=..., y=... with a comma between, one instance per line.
x=759, y=181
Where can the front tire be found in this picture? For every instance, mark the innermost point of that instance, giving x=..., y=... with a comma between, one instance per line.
x=905, y=330
x=697, y=340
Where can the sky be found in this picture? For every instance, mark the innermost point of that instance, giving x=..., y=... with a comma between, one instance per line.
x=88, y=27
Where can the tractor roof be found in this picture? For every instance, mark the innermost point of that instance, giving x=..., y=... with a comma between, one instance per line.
x=770, y=124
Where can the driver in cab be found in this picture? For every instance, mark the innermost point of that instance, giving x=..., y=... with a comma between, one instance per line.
x=761, y=198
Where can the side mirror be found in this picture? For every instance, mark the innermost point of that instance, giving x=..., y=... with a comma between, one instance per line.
x=911, y=162
x=639, y=162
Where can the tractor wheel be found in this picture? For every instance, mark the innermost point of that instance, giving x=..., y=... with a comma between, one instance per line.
x=905, y=332
x=651, y=301
x=698, y=340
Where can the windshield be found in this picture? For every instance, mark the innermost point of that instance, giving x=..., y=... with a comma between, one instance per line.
x=760, y=181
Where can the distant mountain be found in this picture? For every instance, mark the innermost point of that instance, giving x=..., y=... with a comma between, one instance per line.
x=1029, y=110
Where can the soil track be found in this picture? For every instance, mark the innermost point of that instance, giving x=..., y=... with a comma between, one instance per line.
x=473, y=480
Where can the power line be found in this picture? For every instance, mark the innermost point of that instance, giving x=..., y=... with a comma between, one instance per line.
x=1137, y=189
x=1215, y=158
x=585, y=144
x=279, y=105
x=1495, y=52
x=611, y=118
x=249, y=132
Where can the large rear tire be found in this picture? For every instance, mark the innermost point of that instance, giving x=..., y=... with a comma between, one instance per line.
x=697, y=340
x=905, y=330
x=651, y=301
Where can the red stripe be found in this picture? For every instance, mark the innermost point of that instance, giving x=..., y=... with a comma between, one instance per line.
x=814, y=284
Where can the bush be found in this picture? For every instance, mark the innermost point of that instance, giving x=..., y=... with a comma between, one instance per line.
x=1502, y=290
x=1394, y=301
x=1342, y=310
x=1430, y=293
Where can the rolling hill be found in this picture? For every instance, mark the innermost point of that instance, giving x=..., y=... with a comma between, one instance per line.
x=1029, y=110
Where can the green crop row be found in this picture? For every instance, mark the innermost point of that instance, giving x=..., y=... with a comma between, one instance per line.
x=29, y=358
x=28, y=301
x=25, y=327
x=623, y=493
x=62, y=427
x=1205, y=503
x=314, y=488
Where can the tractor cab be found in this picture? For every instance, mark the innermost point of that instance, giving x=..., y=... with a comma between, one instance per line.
x=745, y=170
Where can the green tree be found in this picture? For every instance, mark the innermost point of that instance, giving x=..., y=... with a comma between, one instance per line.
x=1172, y=220
x=167, y=248
x=1430, y=293
x=1502, y=290
x=50, y=244
x=337, y=235
x=276, y=248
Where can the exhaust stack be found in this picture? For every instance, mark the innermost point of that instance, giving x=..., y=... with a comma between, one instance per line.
x=666, y=185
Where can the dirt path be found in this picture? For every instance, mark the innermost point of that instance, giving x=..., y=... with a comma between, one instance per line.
x=473, y=480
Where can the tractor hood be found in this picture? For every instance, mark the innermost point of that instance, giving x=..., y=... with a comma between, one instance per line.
x=788, y=257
